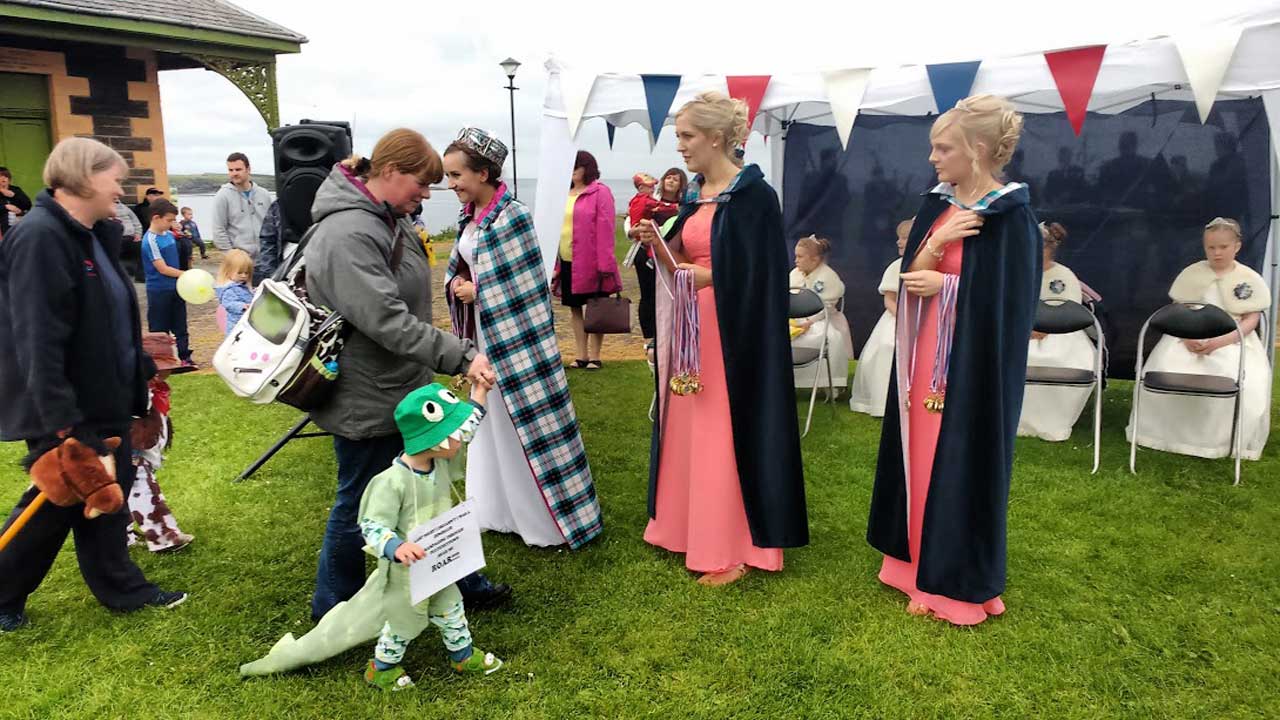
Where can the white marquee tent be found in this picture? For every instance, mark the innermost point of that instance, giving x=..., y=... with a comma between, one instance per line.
x=1223, y=50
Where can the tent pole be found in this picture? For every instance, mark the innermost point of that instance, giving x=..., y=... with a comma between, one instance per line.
x=1271, y=254
x=777, y=158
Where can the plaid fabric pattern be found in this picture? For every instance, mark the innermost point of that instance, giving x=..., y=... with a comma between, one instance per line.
x=514, y=303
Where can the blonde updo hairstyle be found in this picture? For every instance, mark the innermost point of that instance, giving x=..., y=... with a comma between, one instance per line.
x=816, y=245
x=715, y=113
x=984, y=120
x=403, y=150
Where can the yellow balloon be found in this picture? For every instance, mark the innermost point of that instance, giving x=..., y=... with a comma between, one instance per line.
x=195, y=286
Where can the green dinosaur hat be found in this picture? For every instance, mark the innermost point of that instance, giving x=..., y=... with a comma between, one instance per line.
x=429, y=416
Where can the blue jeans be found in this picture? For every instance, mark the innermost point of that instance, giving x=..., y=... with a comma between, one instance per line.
x=341, y=571
x=166, y=312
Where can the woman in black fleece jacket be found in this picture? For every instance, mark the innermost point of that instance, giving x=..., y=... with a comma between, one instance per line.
x=71, y=365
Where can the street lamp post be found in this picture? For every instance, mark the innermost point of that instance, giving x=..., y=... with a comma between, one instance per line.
x=509, y=66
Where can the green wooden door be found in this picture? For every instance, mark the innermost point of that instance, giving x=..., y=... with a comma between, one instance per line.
x=24, y=128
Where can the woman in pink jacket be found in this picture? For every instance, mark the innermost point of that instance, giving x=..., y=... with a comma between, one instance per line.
x=586, y=266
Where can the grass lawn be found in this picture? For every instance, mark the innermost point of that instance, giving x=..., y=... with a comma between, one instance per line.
x=1149, y=596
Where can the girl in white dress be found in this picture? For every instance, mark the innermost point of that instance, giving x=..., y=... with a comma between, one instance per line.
x=1049, y=413
x=871, y=379
x=813, y=272
x=1201, y=426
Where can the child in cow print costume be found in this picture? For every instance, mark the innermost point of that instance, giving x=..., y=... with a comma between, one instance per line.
x=151, y=436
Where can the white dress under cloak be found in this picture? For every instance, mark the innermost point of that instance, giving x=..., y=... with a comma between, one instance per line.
x=871, y=378
x=824, y=281
x=1049, y=413
x=499, y=480
x=1201, y=426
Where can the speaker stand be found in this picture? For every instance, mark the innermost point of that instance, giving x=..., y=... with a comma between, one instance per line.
x=294, y=432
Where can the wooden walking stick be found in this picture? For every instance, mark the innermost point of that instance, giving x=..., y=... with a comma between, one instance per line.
x=21, y=522
x=69, y=474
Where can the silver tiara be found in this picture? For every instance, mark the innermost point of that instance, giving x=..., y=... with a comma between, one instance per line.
x=490, y=147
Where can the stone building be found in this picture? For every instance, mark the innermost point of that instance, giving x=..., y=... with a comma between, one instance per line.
x=89, y=68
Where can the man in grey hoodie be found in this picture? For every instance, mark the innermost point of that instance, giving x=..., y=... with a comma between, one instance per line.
x=239, y=208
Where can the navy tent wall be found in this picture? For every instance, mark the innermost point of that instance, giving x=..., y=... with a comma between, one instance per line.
x=1134, y=192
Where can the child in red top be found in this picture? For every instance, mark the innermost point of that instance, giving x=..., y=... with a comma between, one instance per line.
x=644, y=201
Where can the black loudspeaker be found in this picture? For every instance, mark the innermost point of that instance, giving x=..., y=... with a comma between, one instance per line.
x=304, y=154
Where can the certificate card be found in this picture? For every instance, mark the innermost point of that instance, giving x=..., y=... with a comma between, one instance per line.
x=452, y=542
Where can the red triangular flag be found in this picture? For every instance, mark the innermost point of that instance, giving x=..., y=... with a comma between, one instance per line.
x=749, y=88
x=1074, y=72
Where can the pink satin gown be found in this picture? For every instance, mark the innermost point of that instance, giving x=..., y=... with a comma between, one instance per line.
x=923, y=441
x=699, y=508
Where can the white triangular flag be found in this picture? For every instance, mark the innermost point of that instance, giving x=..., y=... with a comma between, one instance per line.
x=1206, y=54
x=575, y=90
x=845, y=89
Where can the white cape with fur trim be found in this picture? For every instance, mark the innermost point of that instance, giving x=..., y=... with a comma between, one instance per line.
x=1242, y=290
x=1060, y=283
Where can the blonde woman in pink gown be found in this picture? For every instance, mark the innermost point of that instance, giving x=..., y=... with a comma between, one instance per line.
x=969, y=289
x=726, y=485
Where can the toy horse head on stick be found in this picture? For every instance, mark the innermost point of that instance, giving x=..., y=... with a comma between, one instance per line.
x=72, y=473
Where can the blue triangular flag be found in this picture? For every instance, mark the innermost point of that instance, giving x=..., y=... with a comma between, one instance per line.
x=952, y=82
x=611, y=129
x=659, y=93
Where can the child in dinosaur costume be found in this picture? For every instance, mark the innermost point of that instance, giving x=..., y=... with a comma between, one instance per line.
x=416, y=488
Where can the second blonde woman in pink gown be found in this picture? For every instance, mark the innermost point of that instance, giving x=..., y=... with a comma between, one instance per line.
x=726, y=484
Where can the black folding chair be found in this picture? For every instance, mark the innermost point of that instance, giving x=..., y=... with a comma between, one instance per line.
x=1189, y=321
x=807, y=303
x=1057, y=317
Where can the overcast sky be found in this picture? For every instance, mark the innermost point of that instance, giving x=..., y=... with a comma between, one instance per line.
x=389, y=63
x=433, y=66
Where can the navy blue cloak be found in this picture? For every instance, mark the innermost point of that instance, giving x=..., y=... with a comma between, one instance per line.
x=963, y=539
x=750, y=266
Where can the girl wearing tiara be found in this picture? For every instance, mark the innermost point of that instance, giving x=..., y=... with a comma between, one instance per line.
x=1201, y=426
x=528, y=468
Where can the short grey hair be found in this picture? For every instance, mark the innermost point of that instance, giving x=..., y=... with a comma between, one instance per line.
x=75, y=160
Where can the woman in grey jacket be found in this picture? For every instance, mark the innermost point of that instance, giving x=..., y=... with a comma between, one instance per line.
x=365, y=264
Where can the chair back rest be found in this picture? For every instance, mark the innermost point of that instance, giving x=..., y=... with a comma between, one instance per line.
x=1057, y=316
x=804, y=303
x=1192, y=321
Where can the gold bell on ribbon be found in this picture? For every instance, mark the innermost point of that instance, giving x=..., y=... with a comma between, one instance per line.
x=934, y=401
x=685, y=384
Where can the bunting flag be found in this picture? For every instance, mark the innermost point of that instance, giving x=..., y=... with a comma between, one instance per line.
x=750, y=89
x=845, y=89
x=575, y=90
x=1075, y=72
x=610, y=129
x=1206, y=54
x=659, y=93
x=951, y=82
